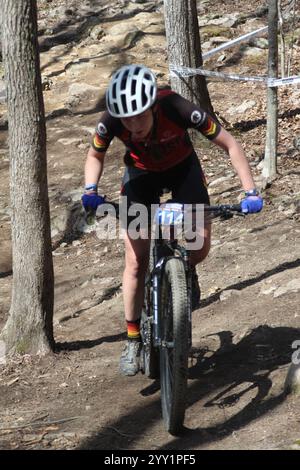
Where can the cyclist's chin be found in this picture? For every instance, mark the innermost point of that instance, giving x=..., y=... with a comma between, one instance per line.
x=138, y=136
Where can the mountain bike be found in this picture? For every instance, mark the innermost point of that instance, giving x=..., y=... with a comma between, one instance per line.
x=166, y=316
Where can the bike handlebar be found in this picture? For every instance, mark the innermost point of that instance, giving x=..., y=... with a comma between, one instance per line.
x=224, y=208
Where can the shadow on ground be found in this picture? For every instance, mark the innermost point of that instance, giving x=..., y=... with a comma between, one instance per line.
x=245, y=366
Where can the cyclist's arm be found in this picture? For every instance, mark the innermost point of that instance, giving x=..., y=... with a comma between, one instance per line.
x=94, y=166
x=237, y=156
x=95, y=158
x=192, y=116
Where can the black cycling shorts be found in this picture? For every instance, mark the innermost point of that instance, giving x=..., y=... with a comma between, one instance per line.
x=186, y=182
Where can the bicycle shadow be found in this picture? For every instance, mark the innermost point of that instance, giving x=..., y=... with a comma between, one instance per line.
x=237, y=369
x=232, y=366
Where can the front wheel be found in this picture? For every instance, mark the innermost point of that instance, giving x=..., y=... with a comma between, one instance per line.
x=174, y=348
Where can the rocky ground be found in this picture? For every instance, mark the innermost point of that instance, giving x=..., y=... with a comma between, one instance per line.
x=249, y=318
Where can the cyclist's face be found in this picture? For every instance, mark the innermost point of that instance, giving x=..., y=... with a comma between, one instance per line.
x=139, y=125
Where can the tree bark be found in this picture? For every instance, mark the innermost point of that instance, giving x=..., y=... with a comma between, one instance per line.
x=184, y=48
x=270, y=160
x=29, y=328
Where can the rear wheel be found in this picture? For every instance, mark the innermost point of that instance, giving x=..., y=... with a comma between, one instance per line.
x=174, y=349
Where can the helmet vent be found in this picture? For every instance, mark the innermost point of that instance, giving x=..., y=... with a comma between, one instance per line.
x=116, y=108
x=144, y=95
x=114, y=91
x=133, y=87
x=124, y=104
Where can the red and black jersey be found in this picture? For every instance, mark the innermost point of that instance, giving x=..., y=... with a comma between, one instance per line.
x=169, y=142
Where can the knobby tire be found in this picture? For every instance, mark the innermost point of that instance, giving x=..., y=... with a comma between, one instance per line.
x=175, y=332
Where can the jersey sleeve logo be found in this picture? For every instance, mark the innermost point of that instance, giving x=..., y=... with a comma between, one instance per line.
x=210, y=129
x=196, y=117
x=99, y=144
x=101, y=129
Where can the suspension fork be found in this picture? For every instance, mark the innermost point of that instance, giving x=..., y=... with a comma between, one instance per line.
x=156, y=285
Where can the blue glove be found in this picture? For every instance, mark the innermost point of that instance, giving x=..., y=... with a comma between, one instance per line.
x=252, y=204
x=92, y=201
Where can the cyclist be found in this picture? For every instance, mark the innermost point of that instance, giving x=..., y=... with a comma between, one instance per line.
x=153, y=126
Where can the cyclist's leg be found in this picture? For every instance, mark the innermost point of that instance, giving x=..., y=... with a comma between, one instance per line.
x=204, y=234
x=136, y=262
x=138, y=187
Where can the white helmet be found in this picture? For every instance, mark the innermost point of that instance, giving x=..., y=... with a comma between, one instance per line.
x=131, y=91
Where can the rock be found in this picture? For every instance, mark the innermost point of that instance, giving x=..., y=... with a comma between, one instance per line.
x=291, y=286
x=97, y=33
x=220, y=180
x=245, y=106
x=261, y=43
x=228, y=21
x=77, y=68
x=69, y=141
x=76, y=195
x=221, y=58
x=68, y=176
x=217, y=40
x=54, y=232
x=122, y=29
x=226, y=294
x=59, y=223
x=78, y=89
x=226, y=194
x=292, y=210
x=268, y=291
x=282, y=238
x=85, y=284
x=252, y=51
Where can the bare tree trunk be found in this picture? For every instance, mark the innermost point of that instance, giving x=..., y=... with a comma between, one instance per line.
x=270, y=161
x=184, y=49
x=282, y=40
x=29, y=327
